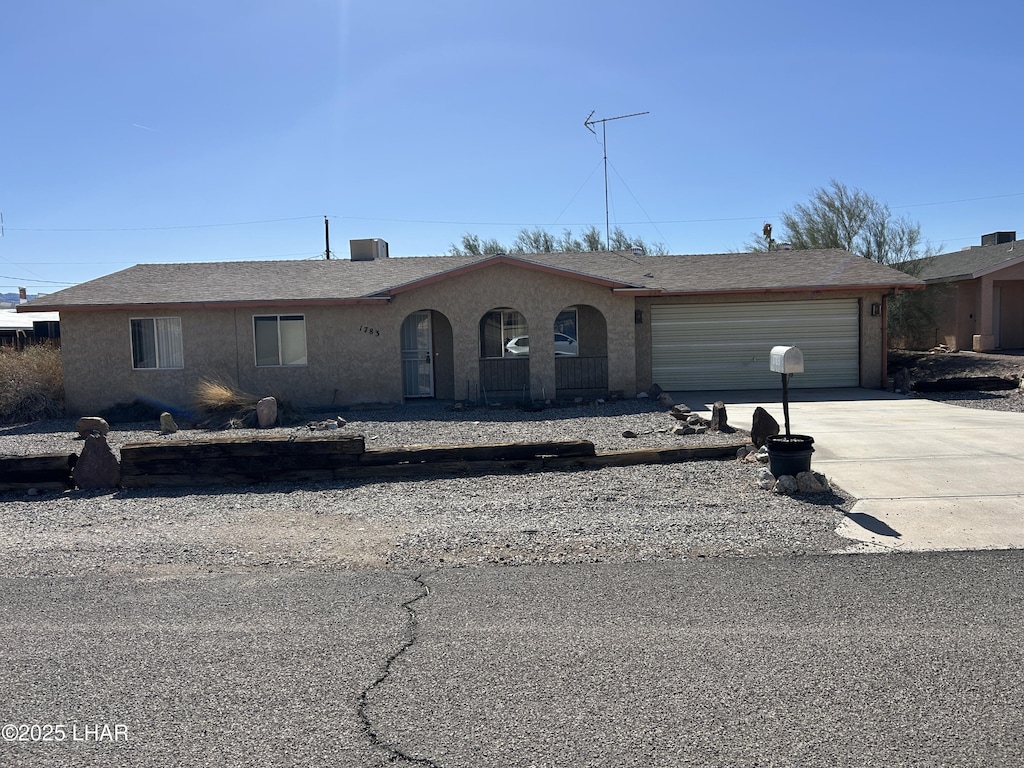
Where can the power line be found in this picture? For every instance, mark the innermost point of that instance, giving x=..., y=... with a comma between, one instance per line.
x=33, y=281
x=962, y=200
x=457, y=222
x=154, y=229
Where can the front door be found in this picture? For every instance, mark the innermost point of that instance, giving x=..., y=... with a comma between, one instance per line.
x=417, y=356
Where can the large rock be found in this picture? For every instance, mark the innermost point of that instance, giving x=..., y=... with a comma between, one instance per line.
x=812, y=482
x=719, y=418
x=680, y=412
x=89, y=424
x=757, y=456
x=266, y=412
x=765, y=479
x=98, y=466
x=786, y=484
x=764, y=426
x=167, y=424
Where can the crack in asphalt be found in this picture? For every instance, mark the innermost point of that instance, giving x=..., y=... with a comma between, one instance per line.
x=395, y=752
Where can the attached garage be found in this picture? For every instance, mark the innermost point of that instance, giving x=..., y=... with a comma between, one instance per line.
x=726, y=346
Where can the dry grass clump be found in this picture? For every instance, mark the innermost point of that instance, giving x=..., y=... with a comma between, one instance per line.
x=226, y=406
x=31, y=383
x=212, y=396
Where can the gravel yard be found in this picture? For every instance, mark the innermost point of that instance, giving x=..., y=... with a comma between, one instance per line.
x=617, y=514
x=1009, y=400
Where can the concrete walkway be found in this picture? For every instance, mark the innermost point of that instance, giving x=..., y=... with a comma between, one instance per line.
x=927, y=476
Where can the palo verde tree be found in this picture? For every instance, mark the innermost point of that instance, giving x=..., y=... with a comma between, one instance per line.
x=837, y=216
x=539, y=240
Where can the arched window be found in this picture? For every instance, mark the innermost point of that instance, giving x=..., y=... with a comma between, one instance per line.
x=504, y=333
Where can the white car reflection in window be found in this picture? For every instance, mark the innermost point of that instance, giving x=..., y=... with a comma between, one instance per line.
x=564, y=345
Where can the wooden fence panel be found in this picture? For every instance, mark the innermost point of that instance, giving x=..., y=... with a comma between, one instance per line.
x=579, y=373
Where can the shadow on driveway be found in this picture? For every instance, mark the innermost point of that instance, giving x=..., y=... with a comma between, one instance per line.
x=873, y=525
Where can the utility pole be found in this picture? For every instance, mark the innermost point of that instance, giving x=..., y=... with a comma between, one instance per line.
x=604, y=145
x=327, y=238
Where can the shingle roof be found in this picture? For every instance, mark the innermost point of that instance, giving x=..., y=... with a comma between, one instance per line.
x=341, y=280
x=969, y=264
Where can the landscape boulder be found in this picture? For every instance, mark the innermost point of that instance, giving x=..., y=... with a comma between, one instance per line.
x=98, y=466
x=757, y=456
x=266, y=412
x=764, y=426
x=89, y=424
x=786, y=484
x=719, y=418
x=167, y=423
x=812, y=482
x=680, y=412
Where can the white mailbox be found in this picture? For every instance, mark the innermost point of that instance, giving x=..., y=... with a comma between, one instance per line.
x=786, y=360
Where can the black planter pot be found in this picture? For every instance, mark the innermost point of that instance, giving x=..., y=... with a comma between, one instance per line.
x=789, y=454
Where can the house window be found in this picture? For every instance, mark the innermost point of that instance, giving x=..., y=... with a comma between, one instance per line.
x=156, y=342
x=566, y=334
x=501, y=328
x=280, y=339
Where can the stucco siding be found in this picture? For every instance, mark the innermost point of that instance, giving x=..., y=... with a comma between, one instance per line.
x=1011, y=315
x=539, y=296
x=97, y=357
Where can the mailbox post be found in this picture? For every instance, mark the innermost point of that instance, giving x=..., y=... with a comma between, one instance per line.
x=789, y=454
x=787, y=361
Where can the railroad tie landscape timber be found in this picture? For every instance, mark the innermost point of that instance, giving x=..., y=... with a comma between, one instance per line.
x=244, y=459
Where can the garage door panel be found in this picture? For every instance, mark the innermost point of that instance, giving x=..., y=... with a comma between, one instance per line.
x=726, y=346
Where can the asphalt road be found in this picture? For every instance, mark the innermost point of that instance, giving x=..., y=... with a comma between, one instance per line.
x=865, y=660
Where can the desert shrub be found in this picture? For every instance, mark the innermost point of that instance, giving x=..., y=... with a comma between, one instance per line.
x=213, y=396
x=223, y=405
x=31, y=383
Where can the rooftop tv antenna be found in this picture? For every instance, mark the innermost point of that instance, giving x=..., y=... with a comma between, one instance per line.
x=589, y=123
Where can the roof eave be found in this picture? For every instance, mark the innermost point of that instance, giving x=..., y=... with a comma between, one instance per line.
x=1001, y=265
x=171, y=306
x=951, y=279
x=512, y=260
x=776, y=289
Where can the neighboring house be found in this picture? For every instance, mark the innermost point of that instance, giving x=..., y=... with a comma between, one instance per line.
x=379, y=329
x=18, y=330
x=980, y=294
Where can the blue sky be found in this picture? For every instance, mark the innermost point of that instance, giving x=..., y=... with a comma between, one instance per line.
x=139, y=132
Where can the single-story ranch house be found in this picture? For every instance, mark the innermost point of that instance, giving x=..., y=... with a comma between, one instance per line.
x=478, y=328
x=981, y=294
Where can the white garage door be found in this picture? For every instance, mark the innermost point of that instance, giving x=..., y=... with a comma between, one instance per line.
x=726, y=346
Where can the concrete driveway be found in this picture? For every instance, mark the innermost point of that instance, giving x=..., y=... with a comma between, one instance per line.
x=927, y=476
